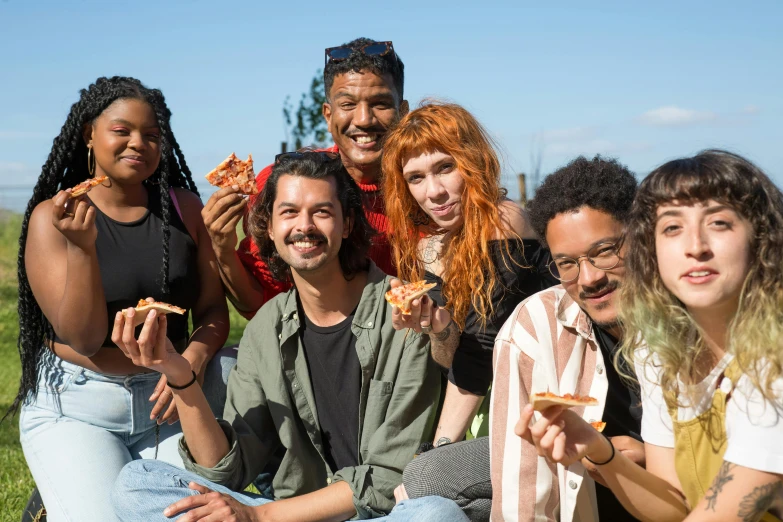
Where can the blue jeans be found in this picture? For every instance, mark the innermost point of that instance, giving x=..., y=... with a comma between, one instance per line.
x=216, y=378
x=145, y=488
x=81, y=428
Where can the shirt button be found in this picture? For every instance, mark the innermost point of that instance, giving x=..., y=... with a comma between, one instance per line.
x=295, y=385
x=599, y=369
x=279, y=336
x=572, y=484
x=329, y=480
x=369, y=325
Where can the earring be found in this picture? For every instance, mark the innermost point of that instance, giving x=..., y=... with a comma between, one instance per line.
x=90, y=162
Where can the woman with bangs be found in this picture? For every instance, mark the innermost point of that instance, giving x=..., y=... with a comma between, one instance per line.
x=703, y=309
x=454, y=226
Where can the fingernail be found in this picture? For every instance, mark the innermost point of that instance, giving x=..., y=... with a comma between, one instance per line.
x=166, y=512
x=131, y=312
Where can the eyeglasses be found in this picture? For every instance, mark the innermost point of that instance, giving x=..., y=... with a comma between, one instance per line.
x=603, y=256
x=338, y=54
x=324, y=155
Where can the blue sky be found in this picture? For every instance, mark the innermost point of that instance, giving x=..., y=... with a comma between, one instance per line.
x=640, y=83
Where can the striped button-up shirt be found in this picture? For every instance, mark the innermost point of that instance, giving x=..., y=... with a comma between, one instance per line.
x=547, y=344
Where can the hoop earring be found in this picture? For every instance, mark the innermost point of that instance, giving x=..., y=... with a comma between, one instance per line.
x=90, y=162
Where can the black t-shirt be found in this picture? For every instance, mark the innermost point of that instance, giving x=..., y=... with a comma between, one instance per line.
x=622, y=415
x=519, y=275
x=336, y=377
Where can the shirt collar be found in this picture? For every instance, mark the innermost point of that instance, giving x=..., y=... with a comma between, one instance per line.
x=571, y=316
x=368, y=304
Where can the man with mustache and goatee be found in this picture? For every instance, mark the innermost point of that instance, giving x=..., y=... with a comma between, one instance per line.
x=322, y=375
x=563, y=340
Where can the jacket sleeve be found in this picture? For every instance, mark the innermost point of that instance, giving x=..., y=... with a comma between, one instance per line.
x=397, y=430
x=248, y=424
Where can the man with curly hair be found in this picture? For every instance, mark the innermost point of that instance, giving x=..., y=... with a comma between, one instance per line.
x=563, y=340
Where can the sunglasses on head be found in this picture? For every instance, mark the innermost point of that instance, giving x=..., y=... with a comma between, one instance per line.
x=338, y=54
x=324, y=155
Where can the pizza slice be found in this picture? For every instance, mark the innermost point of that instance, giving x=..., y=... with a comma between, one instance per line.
x=144, y=307
x=598, y=425
x=233, y=171
x=402, y=296
x=542, y=401
x=85, y=186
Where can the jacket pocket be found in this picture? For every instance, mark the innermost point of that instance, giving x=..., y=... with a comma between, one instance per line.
x=378, y=398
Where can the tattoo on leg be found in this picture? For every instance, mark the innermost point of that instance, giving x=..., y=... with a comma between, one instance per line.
x=758, y=501
x=723, y=477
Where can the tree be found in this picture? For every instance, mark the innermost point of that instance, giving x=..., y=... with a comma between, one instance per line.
x=306, y=125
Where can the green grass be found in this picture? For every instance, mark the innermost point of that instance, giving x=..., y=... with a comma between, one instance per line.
x=16, y=483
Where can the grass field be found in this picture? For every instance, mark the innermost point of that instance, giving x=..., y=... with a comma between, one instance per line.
x=15, y=480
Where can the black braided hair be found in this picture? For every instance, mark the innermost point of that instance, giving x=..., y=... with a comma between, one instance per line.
x=65, y=167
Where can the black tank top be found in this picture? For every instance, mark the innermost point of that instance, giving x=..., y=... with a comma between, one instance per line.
x=130, y=256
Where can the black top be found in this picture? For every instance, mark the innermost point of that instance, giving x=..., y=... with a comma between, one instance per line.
x=522, y=274
x=623, y=416
x=130, y=256
x=336, y=377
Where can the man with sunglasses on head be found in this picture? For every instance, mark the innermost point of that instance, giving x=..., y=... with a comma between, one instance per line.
x=363, y=80
x=322, y=376
x=563, y=340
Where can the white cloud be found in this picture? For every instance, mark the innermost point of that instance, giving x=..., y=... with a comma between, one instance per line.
x=672, y=116
x=751, y=109
x=14, y=173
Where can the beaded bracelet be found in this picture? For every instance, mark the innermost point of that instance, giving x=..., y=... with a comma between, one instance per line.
x=607, y=460
x=174, y=387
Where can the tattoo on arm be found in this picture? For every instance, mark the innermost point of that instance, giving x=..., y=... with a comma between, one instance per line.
x=758, y=501
x=444, y=343
x=723, y=477
x=442, y=442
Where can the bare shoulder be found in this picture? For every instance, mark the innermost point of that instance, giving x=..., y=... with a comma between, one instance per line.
x=190, y=206
x=514, y=218
x=40, y=227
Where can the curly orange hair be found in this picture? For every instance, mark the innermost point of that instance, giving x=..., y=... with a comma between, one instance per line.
x=469, y=276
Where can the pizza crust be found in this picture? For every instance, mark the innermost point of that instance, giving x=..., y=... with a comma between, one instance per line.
x=542, y=401
x=401, y=296
x=144, y=307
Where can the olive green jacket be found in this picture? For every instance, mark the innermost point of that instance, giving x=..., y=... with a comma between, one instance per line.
x=270, y=402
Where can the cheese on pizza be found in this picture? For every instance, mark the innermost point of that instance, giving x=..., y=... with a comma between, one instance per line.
x=402, y=296
x=85, y=186
x=233, y=171
x=144, y=307
x=542, y=401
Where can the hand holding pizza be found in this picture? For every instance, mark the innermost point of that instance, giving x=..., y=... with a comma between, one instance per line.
x=76, y=222
x=562, y=436
x=423, y=315
x=221, y=216
x=152, y=349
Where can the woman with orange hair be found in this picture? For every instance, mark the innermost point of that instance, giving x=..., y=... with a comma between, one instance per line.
x=454, y=226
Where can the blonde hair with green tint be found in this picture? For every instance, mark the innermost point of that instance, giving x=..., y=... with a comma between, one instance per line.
x=655, y=318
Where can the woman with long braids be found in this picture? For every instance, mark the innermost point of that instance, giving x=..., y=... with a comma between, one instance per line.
x=86, y=410
x=453, y=226
x=702, y=312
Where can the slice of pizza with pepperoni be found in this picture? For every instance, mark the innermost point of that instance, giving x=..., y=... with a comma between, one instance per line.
x=233, y=171
x=401, y=296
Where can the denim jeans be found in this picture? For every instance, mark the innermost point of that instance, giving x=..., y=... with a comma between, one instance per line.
x=145, y=488
x=81, y=428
